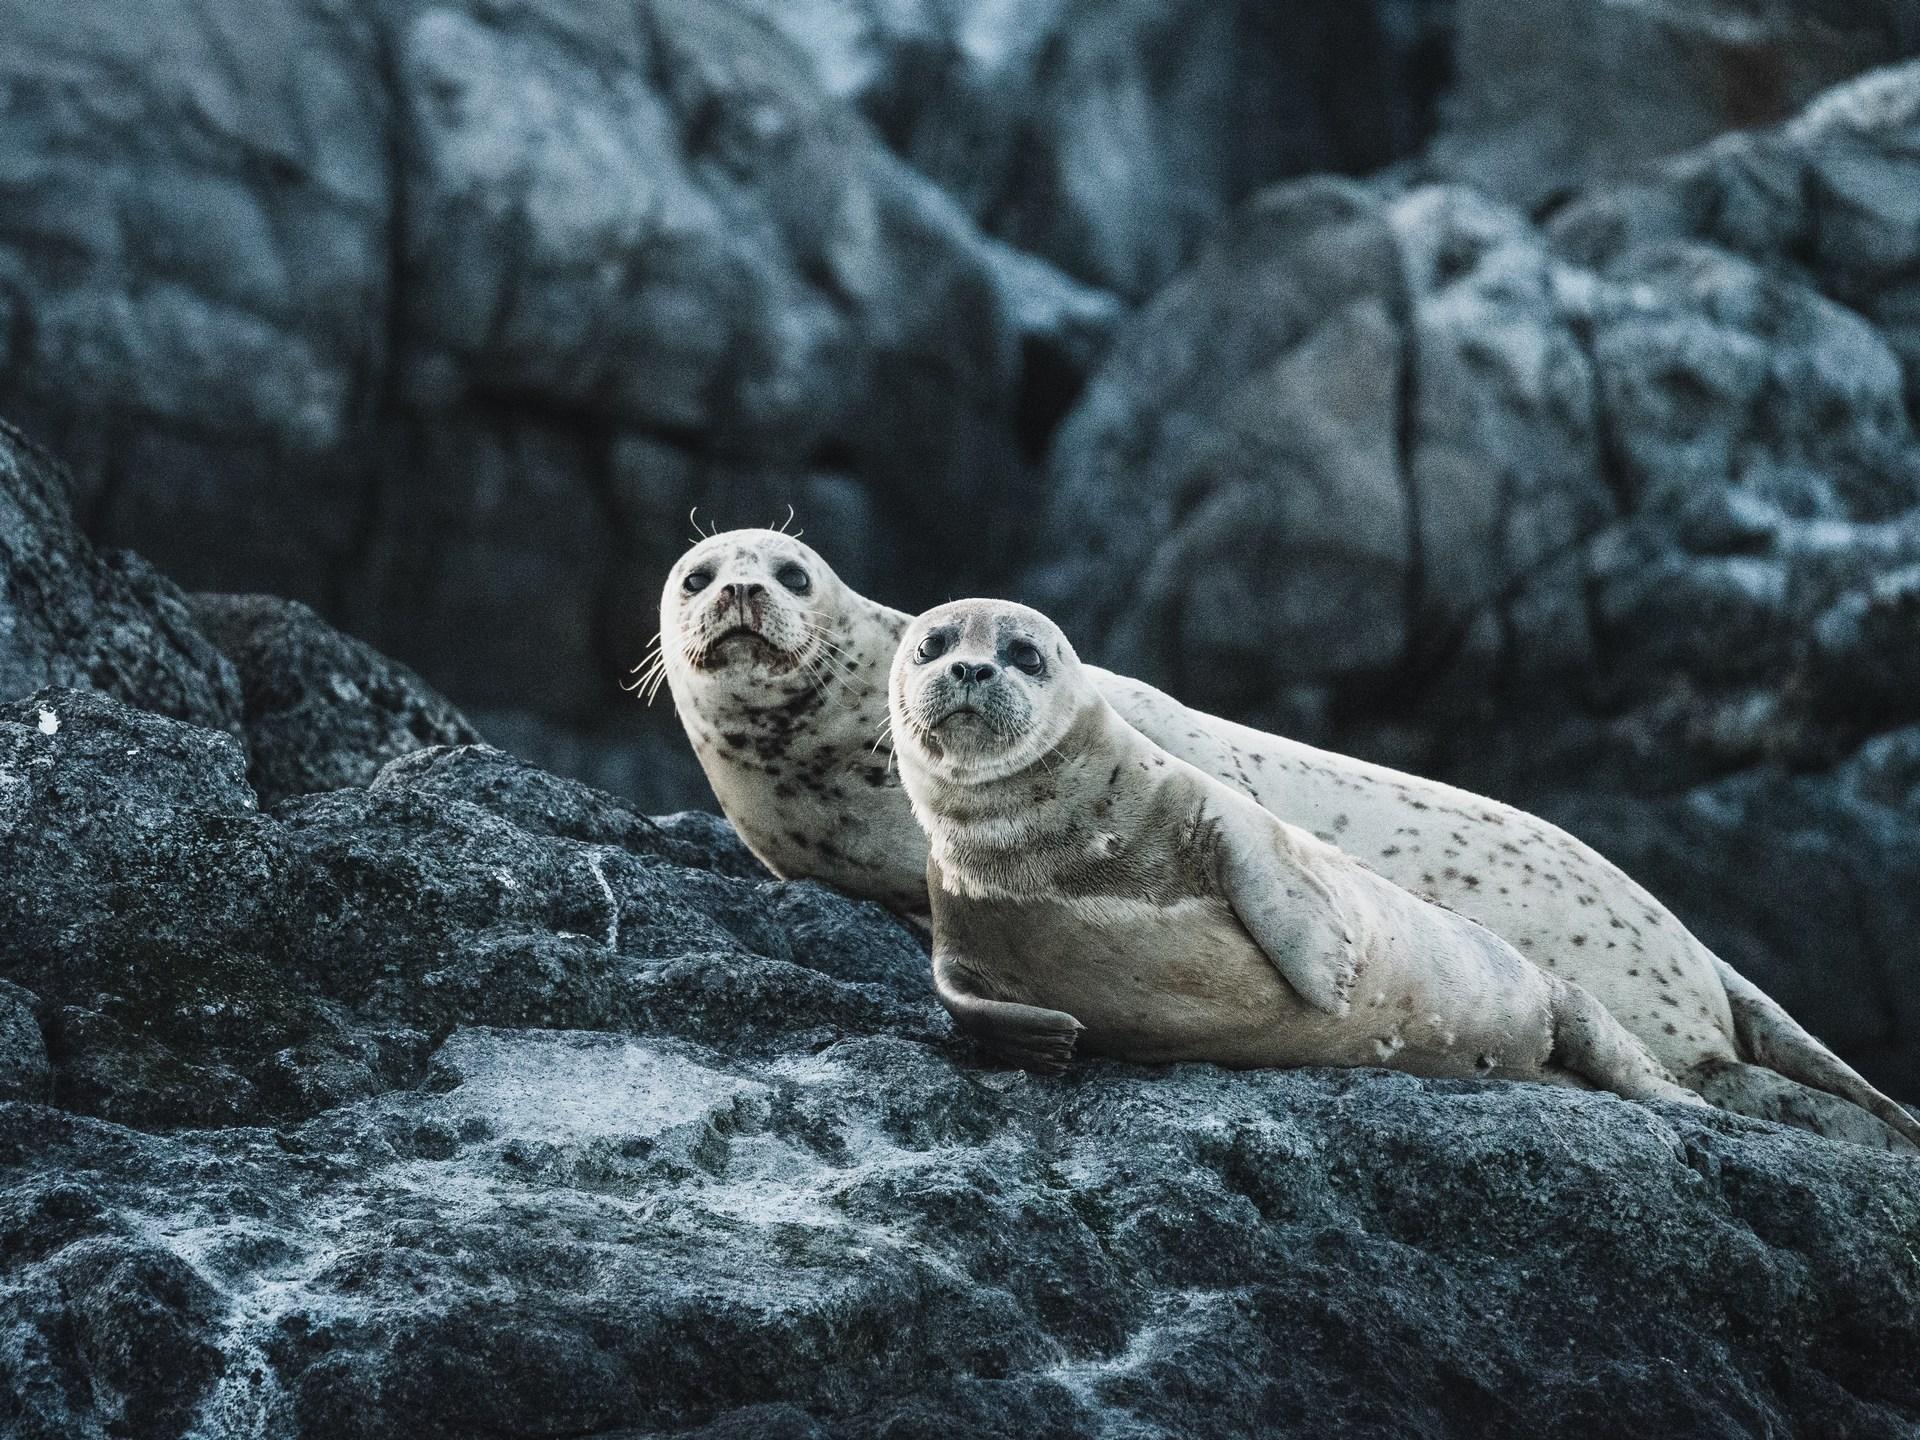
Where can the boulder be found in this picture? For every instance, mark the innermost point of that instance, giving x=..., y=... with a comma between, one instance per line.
x=1626, y=508
x=320, y=710
x=74, y=615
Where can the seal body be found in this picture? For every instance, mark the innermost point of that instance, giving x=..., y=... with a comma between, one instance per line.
x=778, y=675
x=1083, y=876
x=796, y=752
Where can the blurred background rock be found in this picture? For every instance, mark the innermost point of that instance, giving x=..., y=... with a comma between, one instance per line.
x=1521, y=394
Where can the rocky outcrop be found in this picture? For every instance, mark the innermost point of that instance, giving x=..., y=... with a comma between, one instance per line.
x=321, y=710
x=314, y=709
x=473, y=1102
x=441, y=317
x=71, y=615
x=1619, y=508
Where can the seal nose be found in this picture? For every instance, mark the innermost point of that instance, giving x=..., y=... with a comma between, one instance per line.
x=970, y=674
x=731, y=592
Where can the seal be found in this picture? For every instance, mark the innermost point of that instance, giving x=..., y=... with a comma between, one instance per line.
x=1089, y=889
x=788, y=743
x=778, y=673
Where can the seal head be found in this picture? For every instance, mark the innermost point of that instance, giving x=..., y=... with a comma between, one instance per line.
x=744, y=609
x=985, y=689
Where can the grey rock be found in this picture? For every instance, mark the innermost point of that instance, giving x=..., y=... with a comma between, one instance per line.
x=1619, y=517
x=537, y=1116
x=386, y=307
x=24, y=1073
x=73, y=615
x=1107, y=138
x=1549, y=100
x=320, y=710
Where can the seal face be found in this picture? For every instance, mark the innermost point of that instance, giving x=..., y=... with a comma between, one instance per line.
x=778, y=674
x=1089, y=889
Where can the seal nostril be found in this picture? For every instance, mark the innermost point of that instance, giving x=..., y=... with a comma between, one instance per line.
x=755, y=591
x=958, y=670
x=983, y=673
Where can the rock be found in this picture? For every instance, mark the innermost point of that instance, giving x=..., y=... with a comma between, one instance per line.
x=443, y=325
x=472, y=1101
x=440, y=318
x=320, y=710
x=72, y=615
x=1548, y=101
x=23, y=1052
x=1594, y=517
x=1108, y=140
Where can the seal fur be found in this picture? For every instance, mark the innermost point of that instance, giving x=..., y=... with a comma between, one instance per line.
x=813, y=797
x=1089, y=888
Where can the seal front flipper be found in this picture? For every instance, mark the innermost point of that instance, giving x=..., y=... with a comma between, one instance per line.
x=1025, y=1035
x=1283, y=891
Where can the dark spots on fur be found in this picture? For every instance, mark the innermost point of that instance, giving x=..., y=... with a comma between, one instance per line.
x=1671, y=1028
x=1419, y=805
x=1634, y=971
x=735, y=739
x=1579, y=939
x=1389, y=852
x=1114, y=778
x=1340, y=824
x=1472, y=882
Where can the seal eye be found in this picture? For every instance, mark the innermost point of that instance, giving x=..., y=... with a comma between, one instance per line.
x=794, y=577
x=931, y=648
x=696, y=581
x=1023, y=656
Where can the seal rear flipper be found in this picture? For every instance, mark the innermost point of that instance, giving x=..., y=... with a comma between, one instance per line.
x=1590, y=1043
x=1770, y=1037
x=1768, y=1095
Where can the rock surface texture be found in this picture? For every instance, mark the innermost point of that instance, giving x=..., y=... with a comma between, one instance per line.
x=471, y=1102
x=1618, y=518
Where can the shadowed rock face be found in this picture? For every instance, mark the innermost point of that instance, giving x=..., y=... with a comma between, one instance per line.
x=473, y=1102
x=321, y=710
x=440, y=318
x=1619, y=519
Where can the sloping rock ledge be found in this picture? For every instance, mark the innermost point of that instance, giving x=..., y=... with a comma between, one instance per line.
x=472, y=1103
